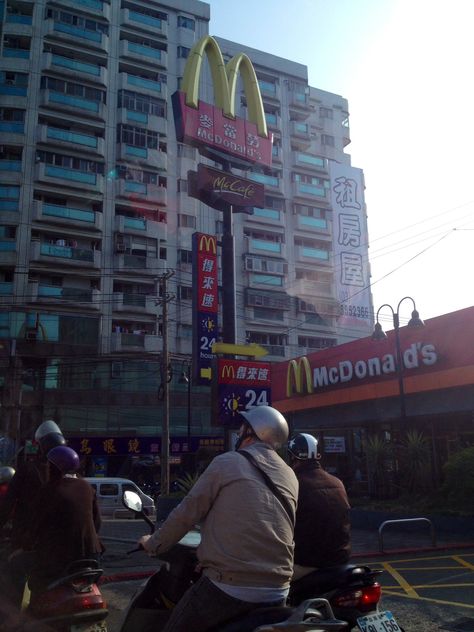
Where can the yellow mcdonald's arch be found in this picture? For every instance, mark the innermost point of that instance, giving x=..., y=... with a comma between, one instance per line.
x=228, y=371
x=297, y=370
x=224, y=79
x=207, y=243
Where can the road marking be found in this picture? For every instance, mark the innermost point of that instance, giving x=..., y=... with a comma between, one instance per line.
x=430, y=599
x=401, y=580
x=463, y=562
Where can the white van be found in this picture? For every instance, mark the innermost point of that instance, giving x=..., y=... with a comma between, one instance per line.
x=109, y=496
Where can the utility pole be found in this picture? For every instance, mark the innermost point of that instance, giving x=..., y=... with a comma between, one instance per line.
x=164, y=299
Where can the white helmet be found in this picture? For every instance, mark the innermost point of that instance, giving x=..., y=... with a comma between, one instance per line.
x=6, y=474
x=268, y=424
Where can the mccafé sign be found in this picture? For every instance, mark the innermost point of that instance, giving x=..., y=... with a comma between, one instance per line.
x=302, y=378
x=215, y=126
x=222, y=190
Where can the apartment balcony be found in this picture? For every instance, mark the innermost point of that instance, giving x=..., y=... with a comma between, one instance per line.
x=10, y=132
x=67, y=216
x=300, y=134
x=69, y=139
x=133, y=343
x=264, y=247
x=143, y=155
x=81, y=69
x=10, y=171
x=317, y=163
x=300, y=101
x=73, y=105
x=150, y=121
x=53, y=295
x=311, y=191
x=312, y=254
x=136, y=303
x=314, y=224
x=273, y=121
x=19, y=24
x=136, y=264
x=94, y=7
x=62, y=176
x=138, y=191
x=54, y=255
x=142, y=84
x=143, y=54
x=276, y=352
x=143, y=22
x=6, y=292
x=8, y=248
x=269, y=90
x=306, y=287
x=71, y=34
x=274, y=183
x=141, y=226
x=268, y=216
x=277, y=154
x=16, y=53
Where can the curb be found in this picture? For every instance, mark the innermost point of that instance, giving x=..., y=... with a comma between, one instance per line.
x=124, y=577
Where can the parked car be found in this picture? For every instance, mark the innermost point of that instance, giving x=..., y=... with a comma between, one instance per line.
x=109, y=496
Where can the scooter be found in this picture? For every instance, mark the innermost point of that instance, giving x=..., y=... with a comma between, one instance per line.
x=151, y=606
x=71, y=603
x=352, y=592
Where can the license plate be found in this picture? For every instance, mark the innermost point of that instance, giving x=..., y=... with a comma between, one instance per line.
x=98, y=626
x=378, y=622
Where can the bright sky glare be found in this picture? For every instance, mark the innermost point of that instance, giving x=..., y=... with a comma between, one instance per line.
x=406, y=68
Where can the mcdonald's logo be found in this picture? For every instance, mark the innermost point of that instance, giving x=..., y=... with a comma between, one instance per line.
x=228, y=371
x=224, y=79
x=217, y=125
x=207, y=243
x=298, y=373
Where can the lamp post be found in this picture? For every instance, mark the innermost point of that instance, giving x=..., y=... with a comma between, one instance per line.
x=379, y=334
x=186, y=379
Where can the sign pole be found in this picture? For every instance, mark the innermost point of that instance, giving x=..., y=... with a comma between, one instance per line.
x=228, y=279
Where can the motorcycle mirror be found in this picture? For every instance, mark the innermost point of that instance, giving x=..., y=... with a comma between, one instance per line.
x=132, y=501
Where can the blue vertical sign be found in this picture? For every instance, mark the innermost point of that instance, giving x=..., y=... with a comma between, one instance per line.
x=205, y=305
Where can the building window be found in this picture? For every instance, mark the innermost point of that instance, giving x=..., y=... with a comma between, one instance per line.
x=185, y=151
x=185, y=292
x=311, y=342
x=136, y=102
x=137, y=136
x=183, y=52
x=76, y=20
x=73, y=89
x=185, y=256
x=267, y=314
x=186, y=23
x=327, y=140
x=325, y=113
x=182, y=186
x=186, y=221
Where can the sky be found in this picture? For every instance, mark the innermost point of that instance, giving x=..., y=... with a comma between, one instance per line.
x=406, y=68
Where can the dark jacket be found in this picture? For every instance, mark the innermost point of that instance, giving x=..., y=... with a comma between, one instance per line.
x=19, y=503
x=322, y=532
x=66, y=528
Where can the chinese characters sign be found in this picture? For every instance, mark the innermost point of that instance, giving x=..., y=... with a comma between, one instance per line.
x=205, y=304
x=350, y=247
x=241, y=385
x=136, y=446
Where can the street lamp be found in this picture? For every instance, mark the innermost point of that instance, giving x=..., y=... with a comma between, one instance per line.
x=186, y=379
x=379, y=334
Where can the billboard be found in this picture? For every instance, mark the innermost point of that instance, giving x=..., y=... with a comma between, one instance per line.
x=241, y=384
x=350, y=248
x=205, y=305
x=215, y=127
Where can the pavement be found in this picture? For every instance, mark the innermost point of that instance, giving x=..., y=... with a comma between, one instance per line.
x=383, y=537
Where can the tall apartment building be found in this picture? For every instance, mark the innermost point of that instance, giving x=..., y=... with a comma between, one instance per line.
x=94, y=210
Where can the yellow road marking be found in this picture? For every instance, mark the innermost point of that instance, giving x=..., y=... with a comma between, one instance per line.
x=401, y=580
x=431, y=600
x=463, y=562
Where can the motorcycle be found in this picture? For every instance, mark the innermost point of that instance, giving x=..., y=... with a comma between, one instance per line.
x=351, y=592
x=71, y=603
x=151, y=606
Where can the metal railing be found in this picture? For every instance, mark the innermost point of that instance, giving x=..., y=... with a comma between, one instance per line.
x=406, y=521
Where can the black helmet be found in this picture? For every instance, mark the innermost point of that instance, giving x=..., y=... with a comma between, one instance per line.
x=49, y=435
x=303, y=447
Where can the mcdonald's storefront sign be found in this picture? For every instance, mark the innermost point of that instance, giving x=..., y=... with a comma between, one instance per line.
x=214, y=127
x=299, y=378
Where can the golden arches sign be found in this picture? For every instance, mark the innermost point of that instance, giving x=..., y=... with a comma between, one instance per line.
x=207, y=243
x=298, y=374
x=224, y=78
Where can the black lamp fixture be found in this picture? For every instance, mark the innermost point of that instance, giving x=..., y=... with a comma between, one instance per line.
x=379, y=334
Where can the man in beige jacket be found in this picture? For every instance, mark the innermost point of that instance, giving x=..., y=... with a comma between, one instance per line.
x=246, y=550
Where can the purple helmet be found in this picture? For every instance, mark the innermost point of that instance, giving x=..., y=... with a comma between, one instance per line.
x=64, y=458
